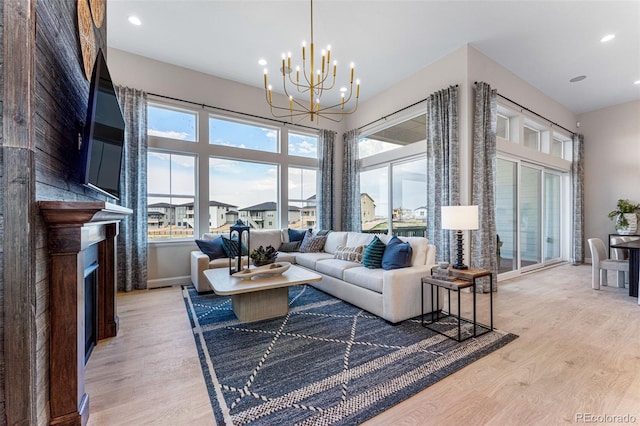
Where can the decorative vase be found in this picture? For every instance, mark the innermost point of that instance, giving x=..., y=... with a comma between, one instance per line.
x=632, y=227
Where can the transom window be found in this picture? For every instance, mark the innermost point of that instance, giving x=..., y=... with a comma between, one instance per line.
x=172, y=123
x=243, y=135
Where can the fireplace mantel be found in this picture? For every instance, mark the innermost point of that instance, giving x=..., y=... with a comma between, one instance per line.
x=72, y=227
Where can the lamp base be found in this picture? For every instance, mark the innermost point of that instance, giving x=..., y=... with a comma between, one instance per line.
x=459, y=252
x=459, y=267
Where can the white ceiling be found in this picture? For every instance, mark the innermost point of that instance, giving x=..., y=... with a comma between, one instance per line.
x=545, y=43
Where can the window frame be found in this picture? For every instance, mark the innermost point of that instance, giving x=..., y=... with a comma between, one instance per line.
x=203, y=150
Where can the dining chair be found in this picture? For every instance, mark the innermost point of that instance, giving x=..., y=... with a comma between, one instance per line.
x=621, y=254
x=600, y=265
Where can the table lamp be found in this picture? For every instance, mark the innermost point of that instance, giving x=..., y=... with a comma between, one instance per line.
x=459, y=218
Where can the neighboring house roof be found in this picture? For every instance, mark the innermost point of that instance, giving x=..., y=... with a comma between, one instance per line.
x=364, y=194
x=212, y=203
x=268, y=206
x=160, y=205
x=420, y=208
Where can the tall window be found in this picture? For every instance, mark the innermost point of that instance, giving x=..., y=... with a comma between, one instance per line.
x=398, y=203
x=172, y=123
x=250, y=188
x=243, y=135
x=260, y=172
x=302, y=198
x=171, y=195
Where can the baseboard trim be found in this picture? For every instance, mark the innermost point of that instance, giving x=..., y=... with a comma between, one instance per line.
x=168, y=282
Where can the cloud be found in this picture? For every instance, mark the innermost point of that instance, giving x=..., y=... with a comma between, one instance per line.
x=169, y=134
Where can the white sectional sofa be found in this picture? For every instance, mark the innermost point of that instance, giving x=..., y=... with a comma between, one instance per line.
x=391, y=294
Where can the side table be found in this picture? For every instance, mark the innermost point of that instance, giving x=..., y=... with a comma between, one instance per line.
x=457, y=280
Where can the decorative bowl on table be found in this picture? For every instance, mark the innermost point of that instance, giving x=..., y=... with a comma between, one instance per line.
x=263, y=256
x=263, y=262
x=270, y=269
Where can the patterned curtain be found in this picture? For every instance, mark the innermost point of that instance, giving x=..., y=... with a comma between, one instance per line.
x=326, y=197
x=443, y=167
x=132, y=241
x=577, y=182
x=484, y=244
x=351, y=220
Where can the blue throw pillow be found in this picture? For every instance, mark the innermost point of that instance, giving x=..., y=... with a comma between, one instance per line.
x=296, y=234
x=372, y=256
x=397, y=254
x=231, y=247
x=212, y=248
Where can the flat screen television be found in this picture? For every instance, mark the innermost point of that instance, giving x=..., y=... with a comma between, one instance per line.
x=103, y=138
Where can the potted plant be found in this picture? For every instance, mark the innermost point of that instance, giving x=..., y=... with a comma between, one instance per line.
x=626, y=217
x=263, y=256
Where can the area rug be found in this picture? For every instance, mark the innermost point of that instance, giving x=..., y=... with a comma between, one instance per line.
x=326, y=362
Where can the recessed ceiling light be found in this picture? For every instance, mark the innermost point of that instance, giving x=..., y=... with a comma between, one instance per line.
x=577, y=79
x=262, y=62
x=607, y=38
x=135, y=20
x=636, y=82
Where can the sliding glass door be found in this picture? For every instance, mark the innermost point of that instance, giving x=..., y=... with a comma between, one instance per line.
x=528, y=215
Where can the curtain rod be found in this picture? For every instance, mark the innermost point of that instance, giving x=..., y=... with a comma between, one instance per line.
x=533, y=112
x=284, y=123
x=395, y=112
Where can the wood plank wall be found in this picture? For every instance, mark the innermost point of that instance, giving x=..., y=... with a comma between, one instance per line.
x=59, y=99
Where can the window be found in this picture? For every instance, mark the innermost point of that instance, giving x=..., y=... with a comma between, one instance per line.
x=250, y=189
x=302, y=198
x=502, y=128
x=241, y=163
x=409, y=192
x=170, y=195
x=374, y=200
x=303, y=145
x=391, y=138
x=531, y=138
x=556, y=148
x=243, y=135
x=171, y=123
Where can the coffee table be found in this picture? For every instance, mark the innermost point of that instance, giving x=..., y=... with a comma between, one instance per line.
x=263, y=296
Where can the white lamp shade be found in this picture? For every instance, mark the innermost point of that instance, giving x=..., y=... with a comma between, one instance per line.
x=459, y=217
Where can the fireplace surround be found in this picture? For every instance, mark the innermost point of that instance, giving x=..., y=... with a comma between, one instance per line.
x=78, y=231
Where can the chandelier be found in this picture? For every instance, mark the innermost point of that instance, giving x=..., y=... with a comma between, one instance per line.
x=306, y=81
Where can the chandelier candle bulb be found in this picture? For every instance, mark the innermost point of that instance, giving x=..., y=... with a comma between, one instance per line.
x=352, y=70
x=328, y=54
x=304, y=43
x=265, y=78
x=335, y=68
x=357, y=89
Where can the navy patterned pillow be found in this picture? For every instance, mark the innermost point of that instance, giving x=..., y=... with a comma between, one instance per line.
x=296, y=234
x=212, y=248
x=232, y=246
x=372, y=256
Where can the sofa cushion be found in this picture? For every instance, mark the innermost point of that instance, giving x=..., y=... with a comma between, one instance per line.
x=308, y=260
x=212, y=248
x=213, y=235
x=296, y=234
x=397, y=254
x=286, y=257
x=372, y=256
x=355, y=239
x=265, y=238
x=311, y=244
x=335, y=240
x=290, y=247
x=352, y=254
x=370, y=279
x=334, y=267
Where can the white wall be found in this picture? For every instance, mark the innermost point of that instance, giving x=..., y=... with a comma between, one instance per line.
x=612, y=164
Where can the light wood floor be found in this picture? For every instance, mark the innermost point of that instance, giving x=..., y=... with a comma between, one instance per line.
x=578, y=352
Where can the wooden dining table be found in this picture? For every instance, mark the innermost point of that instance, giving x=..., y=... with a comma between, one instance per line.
x=634, y=264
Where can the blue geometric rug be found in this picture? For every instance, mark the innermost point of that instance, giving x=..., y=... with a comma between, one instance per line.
x=326, y=362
